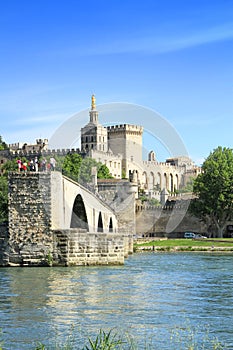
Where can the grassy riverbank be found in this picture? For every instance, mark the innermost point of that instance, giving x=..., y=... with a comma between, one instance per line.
x=210, y=245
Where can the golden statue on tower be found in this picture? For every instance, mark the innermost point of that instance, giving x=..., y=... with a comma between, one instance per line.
x=93, y=104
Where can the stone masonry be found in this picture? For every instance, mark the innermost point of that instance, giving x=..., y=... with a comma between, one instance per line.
x=77, y=247
x=30, y=237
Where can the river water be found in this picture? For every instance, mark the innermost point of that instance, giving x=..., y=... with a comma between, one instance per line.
x=164, y=300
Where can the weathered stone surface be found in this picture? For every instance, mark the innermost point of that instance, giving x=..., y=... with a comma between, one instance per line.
x=80, y=253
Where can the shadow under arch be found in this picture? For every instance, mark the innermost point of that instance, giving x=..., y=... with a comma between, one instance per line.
x=79, y=216
x=110, y=225
x=100, y=223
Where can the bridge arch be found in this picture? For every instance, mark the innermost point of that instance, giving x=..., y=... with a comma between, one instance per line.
x=110, y=225
x=79, y=215
x=72, y=205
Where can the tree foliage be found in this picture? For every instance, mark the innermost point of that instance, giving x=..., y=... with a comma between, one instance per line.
x=86, y=168
x=71, y=165
x=81, y=169
x=103, y=172
x=214, y=190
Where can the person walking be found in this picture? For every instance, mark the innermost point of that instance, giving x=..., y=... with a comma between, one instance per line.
x=52, y=163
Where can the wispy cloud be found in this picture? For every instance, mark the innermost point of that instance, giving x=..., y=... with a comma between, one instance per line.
x=154, y=44
x=157, y=44
x=45, y=119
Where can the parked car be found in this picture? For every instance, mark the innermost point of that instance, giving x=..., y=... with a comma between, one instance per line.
x=189, y=235
x=198, y=236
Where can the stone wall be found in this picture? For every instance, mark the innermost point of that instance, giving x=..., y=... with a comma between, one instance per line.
x=156, y=221
x=77, y=247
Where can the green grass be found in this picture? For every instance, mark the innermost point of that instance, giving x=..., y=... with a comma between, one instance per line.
x=188, y=244
x=186, y=337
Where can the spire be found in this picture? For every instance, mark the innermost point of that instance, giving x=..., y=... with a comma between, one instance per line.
x=93, y=112
x=93, y=104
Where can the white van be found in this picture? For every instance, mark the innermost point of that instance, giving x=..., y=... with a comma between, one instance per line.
x=189, y=235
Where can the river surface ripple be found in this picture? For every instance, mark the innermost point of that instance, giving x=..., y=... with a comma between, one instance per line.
x=163, y=299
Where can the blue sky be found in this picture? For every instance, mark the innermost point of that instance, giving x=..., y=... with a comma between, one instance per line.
x=174, y=57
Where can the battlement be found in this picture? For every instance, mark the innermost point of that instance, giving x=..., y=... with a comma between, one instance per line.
x=32, y=153
x=125, y=128
x=151, y=164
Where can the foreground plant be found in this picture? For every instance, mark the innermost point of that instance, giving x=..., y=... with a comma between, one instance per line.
x=104, y=341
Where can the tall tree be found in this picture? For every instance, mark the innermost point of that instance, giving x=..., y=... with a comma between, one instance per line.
x=71, y=165
x=214, y=190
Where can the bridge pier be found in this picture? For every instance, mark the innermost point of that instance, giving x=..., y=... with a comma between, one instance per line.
x=74, y=247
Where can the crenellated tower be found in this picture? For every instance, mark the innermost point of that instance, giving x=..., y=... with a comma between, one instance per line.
x=126, y=140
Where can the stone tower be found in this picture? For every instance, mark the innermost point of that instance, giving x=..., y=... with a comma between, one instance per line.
x=94, y=135
x=126, y=140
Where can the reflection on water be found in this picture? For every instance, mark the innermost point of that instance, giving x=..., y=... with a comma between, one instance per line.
x=149, y=297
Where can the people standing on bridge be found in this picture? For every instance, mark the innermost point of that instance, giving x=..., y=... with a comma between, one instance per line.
x=19, y=165
x=25, y=166
x=43, y=164
x=52, y=163
x=31, y=165
x=36, y=164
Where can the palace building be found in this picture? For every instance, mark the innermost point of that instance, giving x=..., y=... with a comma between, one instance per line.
x=119, y=147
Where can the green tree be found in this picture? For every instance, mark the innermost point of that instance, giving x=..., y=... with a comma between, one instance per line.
x=103, y=172
x=71, y=165
x=10, y=165
x=214, y=190
x=85, y=170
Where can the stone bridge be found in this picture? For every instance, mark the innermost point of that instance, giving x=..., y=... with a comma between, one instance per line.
x=74, y=206
x=53, y=220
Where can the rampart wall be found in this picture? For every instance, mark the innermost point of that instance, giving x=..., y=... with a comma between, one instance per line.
x=170, y=221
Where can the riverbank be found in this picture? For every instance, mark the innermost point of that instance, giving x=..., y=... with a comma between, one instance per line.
x=184, y=245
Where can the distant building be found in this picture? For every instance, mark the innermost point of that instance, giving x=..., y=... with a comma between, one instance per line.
x=39, y=146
